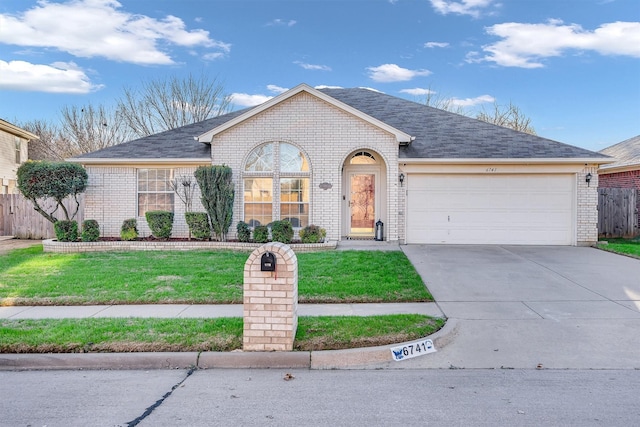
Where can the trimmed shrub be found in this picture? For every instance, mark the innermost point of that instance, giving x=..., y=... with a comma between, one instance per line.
x=160, y=223
x=244, y=232
x=129, y=229
x=66, y=231
x=90, y=230
x=312, y=234
x=281, y=231
x=198, y=223
x=261, y=234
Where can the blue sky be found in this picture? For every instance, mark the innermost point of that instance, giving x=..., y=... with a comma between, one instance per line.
x=572, y=66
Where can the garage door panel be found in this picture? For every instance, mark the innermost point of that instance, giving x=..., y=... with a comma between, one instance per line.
x=481, y=209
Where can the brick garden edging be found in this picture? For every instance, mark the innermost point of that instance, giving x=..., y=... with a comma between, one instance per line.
x=52, y=245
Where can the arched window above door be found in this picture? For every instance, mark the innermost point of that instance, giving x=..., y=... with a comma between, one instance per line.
x=362, y=158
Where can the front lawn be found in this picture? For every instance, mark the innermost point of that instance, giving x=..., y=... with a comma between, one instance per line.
x=622, y=246
x=31, y=277
x=222, y=334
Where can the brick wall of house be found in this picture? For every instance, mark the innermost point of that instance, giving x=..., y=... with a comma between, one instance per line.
x=111, y=197
x=627, y=179
x=327, y=135
x=587, y=207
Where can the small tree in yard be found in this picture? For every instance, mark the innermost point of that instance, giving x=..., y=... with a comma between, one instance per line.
x=217, y=197
x=41, y=180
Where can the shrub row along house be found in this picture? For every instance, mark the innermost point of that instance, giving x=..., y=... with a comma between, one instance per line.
x=344, y=159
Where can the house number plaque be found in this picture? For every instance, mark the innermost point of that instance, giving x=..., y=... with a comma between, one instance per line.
x=325, y=185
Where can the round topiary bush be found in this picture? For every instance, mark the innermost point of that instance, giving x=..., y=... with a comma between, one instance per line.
x=66, y=231
x=312, y=234
x=198, y=223
x=261, y=234
x=129, y=229
x=281, y=231
x=90, y=230
x=160, y=223
x=244, y=232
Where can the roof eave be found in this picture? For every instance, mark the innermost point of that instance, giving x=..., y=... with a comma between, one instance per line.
x=619, y=168
x=15, y=130
x=401, y=137
x=138, y=161
x=555, y=160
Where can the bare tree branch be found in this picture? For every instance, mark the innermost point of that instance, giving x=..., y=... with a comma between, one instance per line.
x=168, y=104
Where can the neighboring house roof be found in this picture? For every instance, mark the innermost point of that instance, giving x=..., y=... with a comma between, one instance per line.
x=15, y=130
x=423, y=132
x=625, y=153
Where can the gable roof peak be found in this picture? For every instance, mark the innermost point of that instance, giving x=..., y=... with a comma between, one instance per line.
x=402, y=137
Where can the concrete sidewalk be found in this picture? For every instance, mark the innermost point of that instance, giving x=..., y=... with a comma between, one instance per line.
x=208, y=311
x=332, y=359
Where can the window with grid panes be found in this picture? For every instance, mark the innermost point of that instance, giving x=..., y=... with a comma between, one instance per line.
x=154, y=191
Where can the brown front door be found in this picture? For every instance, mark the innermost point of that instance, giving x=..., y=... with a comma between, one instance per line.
x=362, y=204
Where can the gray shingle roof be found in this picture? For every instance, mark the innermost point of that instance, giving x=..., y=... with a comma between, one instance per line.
x=176, y=143
x=438, y=134
x=626, y=153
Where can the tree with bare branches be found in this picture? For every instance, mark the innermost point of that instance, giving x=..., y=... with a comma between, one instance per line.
x=509, y=116
x=170, y=103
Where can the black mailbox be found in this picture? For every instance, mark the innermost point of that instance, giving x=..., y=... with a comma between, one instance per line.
x=268, y=262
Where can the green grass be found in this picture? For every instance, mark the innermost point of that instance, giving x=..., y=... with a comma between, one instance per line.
x=623, y=246
x=223, y=334
x=31, y=277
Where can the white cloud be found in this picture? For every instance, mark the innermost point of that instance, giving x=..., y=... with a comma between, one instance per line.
x=471, y=102
x=58, y=77
x=392, y=73
x=282, y=23
x=525, y=45
x=431, y=45
x=463, y=7
x=312, y=67
x=99, y=28
x=246, y=100
x=276, y=89
x=328, y=87
x=418, y=91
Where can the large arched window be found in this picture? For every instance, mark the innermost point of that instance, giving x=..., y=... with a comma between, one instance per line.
x=276, y=185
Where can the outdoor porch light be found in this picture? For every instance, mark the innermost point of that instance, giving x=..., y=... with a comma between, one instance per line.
x=588, y=178
x=401, y=178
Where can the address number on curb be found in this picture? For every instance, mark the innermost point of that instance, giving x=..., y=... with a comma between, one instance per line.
x=414, y=349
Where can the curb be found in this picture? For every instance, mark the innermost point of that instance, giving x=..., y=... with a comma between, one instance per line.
x=326, y=359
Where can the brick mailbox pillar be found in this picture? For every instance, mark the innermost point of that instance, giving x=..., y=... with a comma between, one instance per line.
x=270, y=300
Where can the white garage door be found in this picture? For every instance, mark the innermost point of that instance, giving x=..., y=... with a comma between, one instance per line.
x=491, y=209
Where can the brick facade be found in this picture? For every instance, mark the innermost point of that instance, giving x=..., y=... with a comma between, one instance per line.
x=328, y=137
x=587, y=207
x=270, y=300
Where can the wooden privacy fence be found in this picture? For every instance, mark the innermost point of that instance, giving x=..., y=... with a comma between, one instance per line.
x=617, y=212
x=19, y=219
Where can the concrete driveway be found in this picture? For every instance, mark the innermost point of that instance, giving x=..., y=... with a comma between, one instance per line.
x=532, y=307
